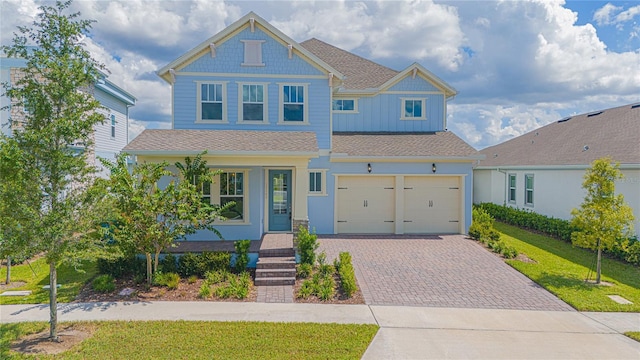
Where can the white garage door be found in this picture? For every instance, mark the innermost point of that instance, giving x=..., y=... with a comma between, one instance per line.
x=431, y=205
x=366, y=204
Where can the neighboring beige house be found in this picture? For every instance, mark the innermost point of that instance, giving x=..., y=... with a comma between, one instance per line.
x=543, y=170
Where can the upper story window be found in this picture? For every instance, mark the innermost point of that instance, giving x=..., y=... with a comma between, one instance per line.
x=528, y=189
x=413, y=109
x=211, y=102
x=252, y=102
x=112, y=118
x=252, y=52
x=293, y=103
x=344, y=105
x=512, y=188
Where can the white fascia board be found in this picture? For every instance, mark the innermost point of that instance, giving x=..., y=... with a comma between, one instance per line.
x=116, y=92
x=346, y=158
x=447, y=89
x=229, y=30
x=550, y=167
x=296, y=154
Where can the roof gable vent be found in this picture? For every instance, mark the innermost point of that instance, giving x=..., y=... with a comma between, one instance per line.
x=565, y=119
x=595, y=113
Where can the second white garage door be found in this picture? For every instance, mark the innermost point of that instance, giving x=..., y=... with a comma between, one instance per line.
x=431, y=204
x=366, y=204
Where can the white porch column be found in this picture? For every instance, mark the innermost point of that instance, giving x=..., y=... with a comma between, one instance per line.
x=300, y=207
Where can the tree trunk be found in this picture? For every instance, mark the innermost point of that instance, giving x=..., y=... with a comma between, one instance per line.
x=155, y=262
x=53, y=302
x=598, y=265
x=8, y=281
x=149, y=272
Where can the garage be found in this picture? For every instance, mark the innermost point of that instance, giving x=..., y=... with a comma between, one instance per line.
x=399, y=204
x=366, y=204
x=431, y=205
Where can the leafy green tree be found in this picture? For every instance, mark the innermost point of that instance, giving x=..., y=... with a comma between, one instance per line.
x=603, y=216
x=56, y=86
x=148, y=218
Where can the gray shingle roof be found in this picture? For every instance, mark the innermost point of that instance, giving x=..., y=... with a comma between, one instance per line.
x=577, y=141
x=439, y=144
x=360, y=73
x=223, y=141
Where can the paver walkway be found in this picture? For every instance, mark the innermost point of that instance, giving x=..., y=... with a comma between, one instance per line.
x=275, y=294
x=437, y=271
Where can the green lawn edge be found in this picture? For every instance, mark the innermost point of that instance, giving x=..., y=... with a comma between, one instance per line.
x=562, y=269
x=635, y=335
x=205, y=340
x=35, y=275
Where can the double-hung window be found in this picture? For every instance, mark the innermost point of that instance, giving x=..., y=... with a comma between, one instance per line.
x=232, y=190
x=413, y=109
x=293, y=103
x=112, y=119
x=253, y=102
x=512, y=188
x=211, y=102
x=528, y=189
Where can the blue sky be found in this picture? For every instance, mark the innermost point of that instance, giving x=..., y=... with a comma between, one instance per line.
x=517, y=65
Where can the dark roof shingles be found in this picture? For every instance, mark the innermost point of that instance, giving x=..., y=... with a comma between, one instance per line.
x=614, y=133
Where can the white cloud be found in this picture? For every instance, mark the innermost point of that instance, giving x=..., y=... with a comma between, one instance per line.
x=606, y=15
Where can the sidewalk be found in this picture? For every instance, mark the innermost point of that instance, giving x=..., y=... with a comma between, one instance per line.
x=405, y=332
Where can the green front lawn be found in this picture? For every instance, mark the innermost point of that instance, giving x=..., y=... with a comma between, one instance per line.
x=562, y=269
x=206, y=340
x=37, y=275
x=634, y=335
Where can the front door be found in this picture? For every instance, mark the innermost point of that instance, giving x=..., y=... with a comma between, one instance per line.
x=279, y=200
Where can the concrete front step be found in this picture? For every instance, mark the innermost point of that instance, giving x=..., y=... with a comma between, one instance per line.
x=285, y=252
x=271, y=273
x=275, y=281
x=286, y=262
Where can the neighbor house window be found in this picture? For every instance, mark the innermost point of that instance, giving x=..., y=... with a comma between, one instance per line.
x=211, y=102
x=293, y=103
x=528, y=189
x=413, y=109
x=252, y=52
x=316, y=182
x=232, y=189
x=252, y=105
x=344, y=105
x=205, y=190
x=112, y=117
x=512, y=188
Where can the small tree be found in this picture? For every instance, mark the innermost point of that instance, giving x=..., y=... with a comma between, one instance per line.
x=148, y=219
x=603, y=216
x=56, y=87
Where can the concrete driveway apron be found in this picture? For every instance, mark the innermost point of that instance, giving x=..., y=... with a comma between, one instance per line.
x=437, y=271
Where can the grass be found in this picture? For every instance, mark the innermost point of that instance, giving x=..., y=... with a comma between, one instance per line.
x=634, y=335
x=206, y=340
x=37, y=275
x=562, y=269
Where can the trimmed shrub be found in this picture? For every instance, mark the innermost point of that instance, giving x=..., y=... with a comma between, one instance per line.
x=307, y=246
x=198, y=264
x=122, y=266
x=104, y=283
x=216, y=277
x=242, y=255
x=347, y=274
x=169, y=264
x=188, y=264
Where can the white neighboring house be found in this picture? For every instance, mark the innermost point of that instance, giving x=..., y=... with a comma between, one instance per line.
x=109, y=137
x=543, y=170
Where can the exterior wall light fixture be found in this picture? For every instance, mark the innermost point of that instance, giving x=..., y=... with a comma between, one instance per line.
x=433, y=168
x=369, y=167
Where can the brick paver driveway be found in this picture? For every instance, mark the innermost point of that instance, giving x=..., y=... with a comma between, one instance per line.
x=437, y=271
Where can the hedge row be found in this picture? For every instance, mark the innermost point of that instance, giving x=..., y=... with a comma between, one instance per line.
x=626, y=249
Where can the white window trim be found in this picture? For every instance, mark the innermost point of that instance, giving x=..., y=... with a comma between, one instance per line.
x=355, y=107
x=323, y=178
x=509, y=188
x=527, y=189
x=305, y=104
x=215, y=195
x=199, y=119
x=424, y=109
x=248, y=44
x=265, y=103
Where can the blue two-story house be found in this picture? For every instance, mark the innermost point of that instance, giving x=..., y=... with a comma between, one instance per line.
x=309, y=134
